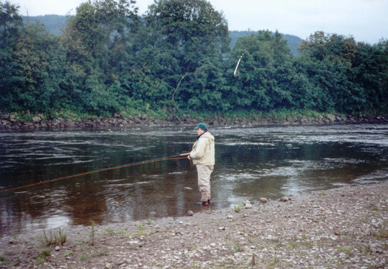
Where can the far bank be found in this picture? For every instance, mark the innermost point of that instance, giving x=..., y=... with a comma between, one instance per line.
x=70, y=120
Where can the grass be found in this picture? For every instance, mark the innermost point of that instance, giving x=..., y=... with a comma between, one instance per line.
x=53, y=238
x=346, y=250
x=2, y=261
x=237, y=207
x=367, y=250
x=92, y=233
x=43, y=256
x=68, y=253
x=323, y=193
x=382, y=233
x=237, y=248
x=293, y=245
x=17, y=239
x=45, y=252
x=40, y=260
x=275, y=262
x=374, y=207
x=99, y=254
x=109, y=231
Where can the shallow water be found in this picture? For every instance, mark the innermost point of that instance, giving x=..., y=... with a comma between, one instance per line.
x=252, y=162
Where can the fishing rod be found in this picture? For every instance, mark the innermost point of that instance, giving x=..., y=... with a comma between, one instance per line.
x=174, y=157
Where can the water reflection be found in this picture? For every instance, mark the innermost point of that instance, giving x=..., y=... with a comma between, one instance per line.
x=252, y=162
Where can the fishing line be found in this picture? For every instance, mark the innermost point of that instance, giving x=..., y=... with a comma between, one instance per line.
x=175, y=157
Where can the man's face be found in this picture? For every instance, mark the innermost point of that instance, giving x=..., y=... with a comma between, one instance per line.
x=200, y=131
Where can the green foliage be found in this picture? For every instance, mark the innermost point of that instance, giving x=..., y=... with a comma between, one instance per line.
x=188, y=41
x=292, y=41
x=263, y=80
x=10, y=26
x=370, y=72
x=10, y=22
x=176, y=59
x=332, y=64
x=35, y=74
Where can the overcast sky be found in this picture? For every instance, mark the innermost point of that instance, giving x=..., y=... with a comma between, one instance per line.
x=365, y=20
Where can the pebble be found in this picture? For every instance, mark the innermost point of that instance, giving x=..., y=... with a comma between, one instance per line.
x=248, y=204
x=284, y=199
x=298, y=236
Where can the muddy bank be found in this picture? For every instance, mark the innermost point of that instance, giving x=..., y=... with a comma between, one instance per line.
x=345, y=227
x=13, y=122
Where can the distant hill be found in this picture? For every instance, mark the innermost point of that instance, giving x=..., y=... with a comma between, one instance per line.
x=293, y=41
x=55, y=24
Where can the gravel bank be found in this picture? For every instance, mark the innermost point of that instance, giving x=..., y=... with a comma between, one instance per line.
x=345, y=227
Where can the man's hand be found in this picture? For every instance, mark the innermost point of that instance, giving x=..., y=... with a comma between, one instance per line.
x=188, y=157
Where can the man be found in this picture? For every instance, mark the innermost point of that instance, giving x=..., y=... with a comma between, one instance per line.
x=203, y=157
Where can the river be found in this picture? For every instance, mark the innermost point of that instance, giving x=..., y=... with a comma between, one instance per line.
x=251, y=162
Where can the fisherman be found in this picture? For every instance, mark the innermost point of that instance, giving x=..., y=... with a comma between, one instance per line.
x=203, y=158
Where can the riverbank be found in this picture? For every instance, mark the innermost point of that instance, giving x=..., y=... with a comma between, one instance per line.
x=345, y=227
x=70, y=121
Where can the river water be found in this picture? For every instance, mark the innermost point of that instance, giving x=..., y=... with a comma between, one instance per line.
x=251, y=162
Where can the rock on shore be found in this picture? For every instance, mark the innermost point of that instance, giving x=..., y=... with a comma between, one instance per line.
x=13, y=122
x=345, y=227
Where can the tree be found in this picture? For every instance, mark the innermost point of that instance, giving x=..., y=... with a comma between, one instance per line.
x=265, y=77
x=184, y=39
x=36, y=70
x=370, y=71
x=329, y=62
x=98, y=40
x=10, y=25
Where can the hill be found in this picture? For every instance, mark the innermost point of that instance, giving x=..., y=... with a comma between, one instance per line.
x=293, y=41
x=55, y=24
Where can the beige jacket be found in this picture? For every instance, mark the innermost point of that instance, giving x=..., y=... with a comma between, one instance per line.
x=203, y=151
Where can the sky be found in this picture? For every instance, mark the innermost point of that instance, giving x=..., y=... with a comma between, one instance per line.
x=365, y=20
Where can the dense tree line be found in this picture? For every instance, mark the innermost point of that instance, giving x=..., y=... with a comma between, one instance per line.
x=177, y=57
x=292, y=41
x=56, y=24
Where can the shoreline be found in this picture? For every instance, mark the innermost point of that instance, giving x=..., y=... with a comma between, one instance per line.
x=336, y=228
x=12, y=122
